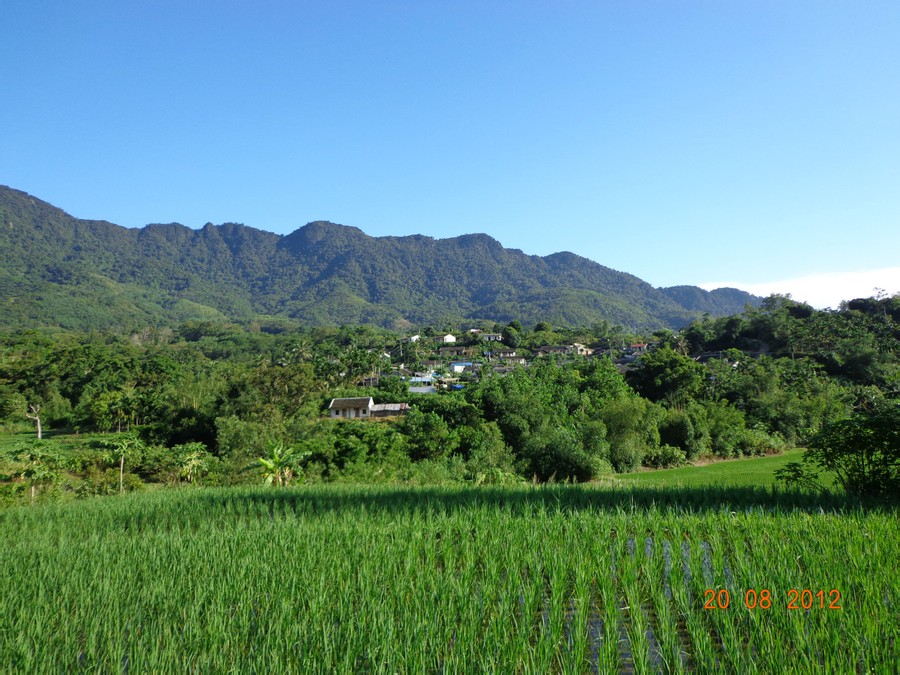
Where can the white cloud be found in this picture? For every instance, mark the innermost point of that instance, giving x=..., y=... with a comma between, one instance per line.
x=828, y=289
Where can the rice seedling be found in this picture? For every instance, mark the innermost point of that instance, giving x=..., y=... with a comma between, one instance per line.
x=366, y=579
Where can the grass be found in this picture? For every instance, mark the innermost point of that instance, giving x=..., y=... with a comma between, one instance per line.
x=65, y=440
x=754, y=471
x=384, y=579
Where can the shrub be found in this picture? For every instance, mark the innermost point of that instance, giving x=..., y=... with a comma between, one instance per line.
x=686, y=429
x=487, y=452
x=727, y=428
x=663, y=457
x=758, y=442
x=557, y=453
x=631, y=429
x=862, y=451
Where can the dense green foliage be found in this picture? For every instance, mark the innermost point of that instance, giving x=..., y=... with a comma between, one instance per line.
x=560, y=579
x=132, y=359
x=83, y=275
x=862, y=451
x=203, y=404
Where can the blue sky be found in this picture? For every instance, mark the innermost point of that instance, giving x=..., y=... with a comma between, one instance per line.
x=753, y=144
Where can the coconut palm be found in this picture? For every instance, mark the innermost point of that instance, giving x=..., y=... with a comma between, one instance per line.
x=680, y=344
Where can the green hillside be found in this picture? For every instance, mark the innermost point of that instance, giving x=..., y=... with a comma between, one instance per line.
x=84, y=274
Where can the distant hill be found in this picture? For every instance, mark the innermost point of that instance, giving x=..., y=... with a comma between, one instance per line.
x=85, y=274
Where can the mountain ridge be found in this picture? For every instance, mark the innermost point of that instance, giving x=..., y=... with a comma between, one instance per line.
x=323, y=273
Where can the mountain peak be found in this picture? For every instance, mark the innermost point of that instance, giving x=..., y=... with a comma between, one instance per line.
x=322, y=273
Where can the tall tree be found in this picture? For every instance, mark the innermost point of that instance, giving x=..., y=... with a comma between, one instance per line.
x=34, y=413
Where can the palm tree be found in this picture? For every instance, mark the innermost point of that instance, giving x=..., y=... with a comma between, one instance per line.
x=680, y=344
x=126, y=444
x=299, y=352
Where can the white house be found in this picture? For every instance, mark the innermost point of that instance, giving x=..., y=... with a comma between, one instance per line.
x=460, y=366
x=351, y=408
x=449, y=338
x=510, y=356
x=364, y=408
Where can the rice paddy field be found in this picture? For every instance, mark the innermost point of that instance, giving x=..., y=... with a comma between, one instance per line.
x=379, y=579
x=743, y=472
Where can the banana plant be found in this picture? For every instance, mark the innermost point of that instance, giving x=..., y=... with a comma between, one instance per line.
x=280, y=465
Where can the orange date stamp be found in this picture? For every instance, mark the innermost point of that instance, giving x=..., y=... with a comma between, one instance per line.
x=764, y=599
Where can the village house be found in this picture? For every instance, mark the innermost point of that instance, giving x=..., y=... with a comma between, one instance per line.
x=389, y=409
x=448, y=339
x=575, y=348
x=510, y=357
x=460, y=366
x=491, y=337
x=455, y=351
x=364, y=408
x=351, y=408
x=553, y=349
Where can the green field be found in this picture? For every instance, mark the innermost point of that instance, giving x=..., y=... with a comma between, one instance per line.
x=354, y=579
x=756, y=471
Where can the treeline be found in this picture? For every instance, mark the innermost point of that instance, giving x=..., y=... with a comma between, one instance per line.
x=220, y=403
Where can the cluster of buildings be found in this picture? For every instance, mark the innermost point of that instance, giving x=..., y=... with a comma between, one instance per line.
x=456, y=363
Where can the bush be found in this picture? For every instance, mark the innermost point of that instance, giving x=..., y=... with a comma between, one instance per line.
x=758, y=442
x=487, y=452
x=862, y=451
x=632, y=428
x=106, y=482
x=556, y=453
x=626, y=454
x=727, y=428
x=686, y=429
x=663, y=457
x=428, y=435
x=448, y=470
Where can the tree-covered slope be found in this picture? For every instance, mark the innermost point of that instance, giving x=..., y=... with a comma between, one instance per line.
x=63, y=271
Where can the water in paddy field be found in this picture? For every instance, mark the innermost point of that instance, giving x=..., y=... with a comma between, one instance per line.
x=618, y=622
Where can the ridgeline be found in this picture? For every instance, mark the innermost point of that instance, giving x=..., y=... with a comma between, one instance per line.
x=87, y=274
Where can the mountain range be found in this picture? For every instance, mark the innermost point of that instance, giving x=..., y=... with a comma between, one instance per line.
x=87, y=274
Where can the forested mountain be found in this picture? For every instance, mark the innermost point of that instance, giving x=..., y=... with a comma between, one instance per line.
x=82, y=274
